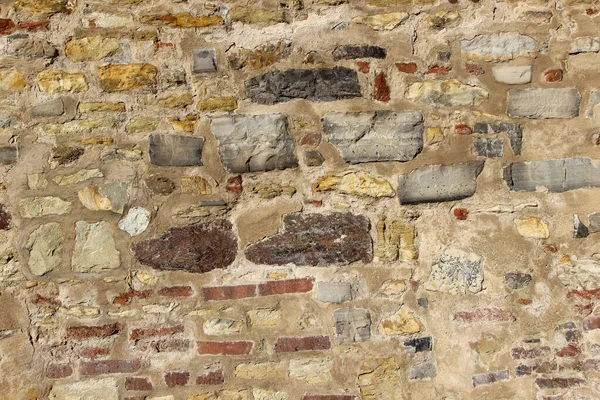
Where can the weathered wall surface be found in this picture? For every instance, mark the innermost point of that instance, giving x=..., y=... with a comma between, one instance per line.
x=299, y=199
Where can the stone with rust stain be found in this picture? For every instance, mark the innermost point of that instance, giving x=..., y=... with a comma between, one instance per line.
x=121, y=77
x=532, y=227
x=402, y=322
x=358, y=183
x=110, y=196
x=194, y=248
x=316, y=239
x=195, y=185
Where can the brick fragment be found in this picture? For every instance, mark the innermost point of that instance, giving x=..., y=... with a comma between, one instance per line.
x=382, y=90
x=461, y=213
x=438, y=69
x=177, y=378
x=33, y=26
x=225, y=348
x=101, y=367
x=285, y=345
x=474, y=69
x=125, y=298
x=407, y=68
x=215, y=377
x=170, y=345
x=300, y=285
x=59, y=371
x=558, y=383
x=94, y=352
x=6, y=26
x=234, y=185
x=363, y=66
x=479, y=315
x=138, y=383
x=141, y=333
x=520, y=353
x=176, y=291
x=463, y=129
x=554, y=75
x=489, y=377
x=229, y=292
x=570, y=350
x=102, y=331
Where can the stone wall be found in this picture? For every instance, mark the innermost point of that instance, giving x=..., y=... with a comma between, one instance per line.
x=299, y=199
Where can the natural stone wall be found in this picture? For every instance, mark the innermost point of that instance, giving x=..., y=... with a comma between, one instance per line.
x=299, y=199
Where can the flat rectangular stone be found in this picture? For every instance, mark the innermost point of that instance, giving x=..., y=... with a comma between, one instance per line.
x=585, y=44
x=437, y=183
x=8, y=155
x=543, y=103
x=204, y=61
x=512, y=74
x=498, y=47
x=378, y=136
x=554, y=175
x=333, y=292
x=176, y=150
x=515, y=133
x=50, y=108
x=489, y=147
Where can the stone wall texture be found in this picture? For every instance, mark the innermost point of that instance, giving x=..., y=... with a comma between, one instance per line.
x=299, y=199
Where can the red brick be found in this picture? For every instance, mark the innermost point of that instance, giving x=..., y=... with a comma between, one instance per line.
x=101, y=367
x=170, y=345
x=176, y=291
x=225, y=348
x=490, y=314
x=437, y=69
x=571, y=350
x=125, y=298
x=300, y=285
x=382, y=90
x=46, y=301
x=33, y=26
x=407, y=68
x=587, y=365
x=589, y=294
x=474, y=69
x=102, y=331
x=591, y=322
x=551, y=248
x=285, y=345
x=140, y=333
x=6, y=26
x=211, y=378
x=311, y=139
x=461, y=213
x=234, y=185
x=524, y=302
x=94, y=352
x=363, y=67
x=463, y=129
x=328, y=397
x=138, y=383
x=554, y=75
x=521, y=353
x=58, y=371
x=229, y=292
x=558, y=383
x=176, y=378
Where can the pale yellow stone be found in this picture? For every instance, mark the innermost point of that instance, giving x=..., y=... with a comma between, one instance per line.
x=78, y=126
x=91, y=48
x=42, y=206
x=227, y=394
x=395, y=240
x=216, y=104
x=277, y=275
x=195, y=185
x=402, y=322
x=448, y=93
x=77, y=177
x=101, y=107
x=37, y=181
x=382, y=22
x=273, y=190
x=223, y=326
x=182, y=20
x=434, y=135
x=160, y=308
x=176, y=101
x=393, y=287
x=12, y=80
x=122, y=77
x=532, y=227
x=263, y=394
x=264, y=317
x=81, y=311
x=142, y=125
x=145, y=278
x=312, y=370
x=358, y=183
x=186, y=124
x=266, y=370
x=57, y=81
x=381, y=379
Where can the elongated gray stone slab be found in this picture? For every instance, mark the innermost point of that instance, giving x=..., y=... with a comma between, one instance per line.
x=376, y=136
x=498, y=47
x=558, y=175
x=543, y=103
x=437, y=183
x=249, y=143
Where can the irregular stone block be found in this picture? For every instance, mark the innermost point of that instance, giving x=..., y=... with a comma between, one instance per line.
x=402, y=322
x=543, y=103
x=593, y=102
x=52, y=108
x=45, y=248
x=8, y=155
x=423, y=370
x=8, y=121
x=78, y=177
x=313, y=158
x=5, y=218
x=12, y=80
x=217, y=104
x=381, y=379
x=176, y=150
x=532, y=227
x=249, y=143
x=311, y=370
x=136, y=221
x=353, y=52
x=357, y=183
x=182, y=20
x=516, y=280
x=579, y=228
x=96, y=389
x=110, y=196
x=29, y=48
x=418, y=345
x=333, y=292
x=437, y=183
x=194, y=248
x=316, y=239
x=352, y=325
x=322, y=84
x=395, y=241
x=554, y=175
x=486, y=147
x=448, y=93
x=585, y=45
x=122, y=77
x=456, y=271
x=378, y=136
x=498, y=47
x=254, y=15
x=204, y=61
x=91, y=48
x=513, y=74
x=259, y=57
x=95, y=249
x=44, y=7
x=382, y=22
x=594, y=219
x=515, y=133
x=57, y=81
x=41, y=206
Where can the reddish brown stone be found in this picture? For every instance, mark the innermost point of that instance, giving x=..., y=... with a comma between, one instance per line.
x=524, y=302
x=438, y=69
x=211, y=378
x=84, y=332
x=587, y=365
x=5, y=218
x=461, y=213
x=474, y=69
x=551, y=248
x=234, y=185
x=570, y=350
x=311, y=139
x=382, y=90
x=160, y=185
x=316, y=239
x=6, y=26
x=363, y=66
x=554, y=75
x=301, y=285
x=125, y=298
x=46, y=301
x=463, y=129
x=591, y=322
x=520, y=353
x=33, y=26
x=138, y=334
x=558, y=383
x=194, y=248
x=94, y=352
x=138, y=383
x=102, y=367
x=229, y=292
x=170, y=345
x=407, y=68
x=59, y=371
x=287, y=345
x=586, y=294
x=489, y=314
x=176, y=291
x=591, y=11
x=225, y=348
x=176, y=378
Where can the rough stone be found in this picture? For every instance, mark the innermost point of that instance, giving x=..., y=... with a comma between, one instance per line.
x=358, y=183
x=102, y=106
x=12, y=80
x=136, y=221
x=142, y=125
x=579, y=228
x=262, y=394
x=217, y=104
x=437, y=183
x=418, y=345
x=514, y=131
x=393, y=287
x=543, y=103
x=448, y=93
x=333, y=292
x=382, y=22
x=316, y=239
x=249, y=143
x=78, y=177
x=96, y=389
x=182, y=20
x=45, y=248
x=354, y=52
x=323, y=84
x=176, y=150
x=204, y=61
x=585, y=44
x=160, y=185
x=313, y=158
x=594, y=219
x=395, y=241
x=57, y=81
x=378, y=136
x=44, y=7
x=456, y=272
x=223, y=326
x=194, y=248
x=489, y=147
x=95, y=249
x=425, y=370
x=260, y=57
x=267, y=370
x=122, y=77
x=5, y=218
x=352, y=325
x=37, y=181
x=553, y=175
x=498, y=47
x=91, y=48
x=402, y=322
x=8, y=155
x=110, y=196
x=254, y=15
x=516, y=280
x=513, y=74
x=312, y=370
x=380, y=379
x=592, y=103
x=36, y=207
x=29, y=48
x=52, y=108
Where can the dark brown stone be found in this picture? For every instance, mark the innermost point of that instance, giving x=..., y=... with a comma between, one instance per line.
x=5, y=218
x=66, y=155
x=160, y=185
x=316, y=239
x=194, y=248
